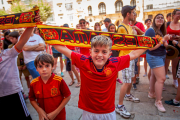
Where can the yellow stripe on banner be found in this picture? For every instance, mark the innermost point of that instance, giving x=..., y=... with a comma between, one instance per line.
x=10, y=16
x=2, y=17
x=129, y=36
x=18, y=25
x=57, y=42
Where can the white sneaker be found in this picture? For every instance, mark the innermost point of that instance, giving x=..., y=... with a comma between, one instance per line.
x=131, y=98
x=175, y=83
x=122, y=111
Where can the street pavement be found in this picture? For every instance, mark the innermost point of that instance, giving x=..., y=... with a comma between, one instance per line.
x=145, y=110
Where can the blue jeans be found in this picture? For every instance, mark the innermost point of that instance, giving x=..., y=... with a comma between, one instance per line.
x=32, y=69
x=155, y=61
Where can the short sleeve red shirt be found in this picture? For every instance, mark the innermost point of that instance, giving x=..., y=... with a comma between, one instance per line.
x=50, y=95
x=84, y=51
x=140, y=26
x=97, y=92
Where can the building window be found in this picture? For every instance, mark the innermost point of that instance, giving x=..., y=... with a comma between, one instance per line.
x=90, y=10
x=118, y=6
x=102, y=9
x=70, y=16
x=150, y=6
x=2, y=2
x=133, y=2
x=69, y=6
x=150, y=16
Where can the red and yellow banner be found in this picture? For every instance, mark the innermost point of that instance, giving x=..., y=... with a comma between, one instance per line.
x=73, y=37
x=19, y=20
x=82, y=38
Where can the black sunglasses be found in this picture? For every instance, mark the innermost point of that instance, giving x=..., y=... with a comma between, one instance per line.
x=82, y=23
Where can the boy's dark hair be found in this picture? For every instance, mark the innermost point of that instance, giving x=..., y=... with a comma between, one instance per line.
x=14, y=34
x=147, y=20
x=44, y=58
x=127, y=9
x=82, y=20
x=107, y=20
x=169, y=14
x=110, y=26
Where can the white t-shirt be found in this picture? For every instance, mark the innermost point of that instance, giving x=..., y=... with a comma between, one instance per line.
x=105, y=30
x=9, y=73
x=31, y=55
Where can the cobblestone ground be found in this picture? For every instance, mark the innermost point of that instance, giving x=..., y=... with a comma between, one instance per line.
x=145, y=110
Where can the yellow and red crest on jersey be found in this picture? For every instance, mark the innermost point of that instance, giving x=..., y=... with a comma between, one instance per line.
x=108, y=71
x=54, y=91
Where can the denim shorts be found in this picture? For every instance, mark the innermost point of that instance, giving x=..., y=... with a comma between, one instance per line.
x=155, y=61
x=32, y=69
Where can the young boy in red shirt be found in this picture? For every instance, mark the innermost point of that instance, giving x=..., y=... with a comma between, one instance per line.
x=48, y=93
x=98, y=77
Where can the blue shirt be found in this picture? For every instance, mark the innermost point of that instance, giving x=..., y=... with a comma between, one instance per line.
x=161, y=51
x=54, y=50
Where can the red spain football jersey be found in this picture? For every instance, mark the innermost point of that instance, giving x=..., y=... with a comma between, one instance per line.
x=97, y=92
x=50, y=95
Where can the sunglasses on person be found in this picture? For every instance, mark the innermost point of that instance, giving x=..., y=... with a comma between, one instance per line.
x=82, y=22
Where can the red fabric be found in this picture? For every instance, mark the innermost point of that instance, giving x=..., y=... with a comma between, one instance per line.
x=170, y=31
x=85, y=51
x=71, y=47
x=97, y=92
x=50, y=95
x=140, y=26
x=143, y=55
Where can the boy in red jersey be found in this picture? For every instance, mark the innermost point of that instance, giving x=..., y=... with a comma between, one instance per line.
x=48, y=93
x=98, y=74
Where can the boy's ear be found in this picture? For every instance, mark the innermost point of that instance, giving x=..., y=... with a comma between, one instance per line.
x=110, y=53
x=90, y=51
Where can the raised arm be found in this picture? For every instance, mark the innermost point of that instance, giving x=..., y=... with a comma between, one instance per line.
x=136, y=53
x=26, y=35
x=64, y=50
x=24, y=38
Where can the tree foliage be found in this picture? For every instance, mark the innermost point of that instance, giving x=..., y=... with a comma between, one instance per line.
x=3, y=12
x=44, y=7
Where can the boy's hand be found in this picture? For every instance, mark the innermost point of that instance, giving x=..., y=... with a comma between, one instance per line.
x=42, y=114
x=52, y=115
x=37, y=18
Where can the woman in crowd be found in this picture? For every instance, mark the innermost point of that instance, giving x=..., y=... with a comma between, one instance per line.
x=156, y=60
x=174, y=28
x=115, y=53
x=97, y=26
x=6, y=40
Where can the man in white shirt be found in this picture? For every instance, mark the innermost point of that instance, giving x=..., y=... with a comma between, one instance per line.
x=34, y=46
x=107, y=21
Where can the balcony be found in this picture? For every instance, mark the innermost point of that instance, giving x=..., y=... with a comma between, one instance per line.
x=161, y=6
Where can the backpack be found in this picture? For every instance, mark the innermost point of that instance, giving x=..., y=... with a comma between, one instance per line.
x=124, y=28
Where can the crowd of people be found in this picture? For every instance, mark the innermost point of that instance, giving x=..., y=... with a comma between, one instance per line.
x=96, y=69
